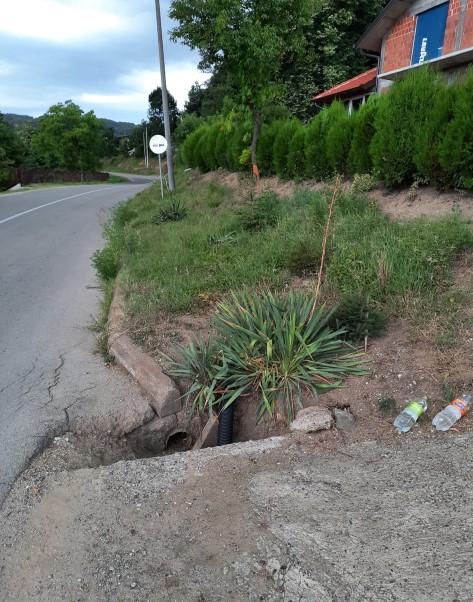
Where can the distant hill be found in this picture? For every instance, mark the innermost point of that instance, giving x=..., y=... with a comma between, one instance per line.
x=120, y=128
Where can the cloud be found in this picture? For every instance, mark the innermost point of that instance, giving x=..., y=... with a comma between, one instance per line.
x=58, y=22
x=132, y=89
x=6, y=68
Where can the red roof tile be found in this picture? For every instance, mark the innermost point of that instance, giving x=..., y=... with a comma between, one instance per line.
x=364, y=80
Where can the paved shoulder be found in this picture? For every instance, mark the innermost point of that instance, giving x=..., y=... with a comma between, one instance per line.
x=258, y=521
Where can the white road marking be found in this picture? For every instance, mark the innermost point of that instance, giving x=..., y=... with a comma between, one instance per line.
x=68, y=198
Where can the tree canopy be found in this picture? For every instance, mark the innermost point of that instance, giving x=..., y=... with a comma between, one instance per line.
x=251, y=39
x=328, y=56
x=67, y=137
x=156, y=112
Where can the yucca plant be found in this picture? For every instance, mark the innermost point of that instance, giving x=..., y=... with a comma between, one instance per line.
x=275, y=346
x=173, y=212
x=200, y=363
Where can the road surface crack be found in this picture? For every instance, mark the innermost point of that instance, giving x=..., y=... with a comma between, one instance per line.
x=75, y=402
x=56, y=377
x=21, y=379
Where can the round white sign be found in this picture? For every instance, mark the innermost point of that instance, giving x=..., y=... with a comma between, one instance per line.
x=158, y=144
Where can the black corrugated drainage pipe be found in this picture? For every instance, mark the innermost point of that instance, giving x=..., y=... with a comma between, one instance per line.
x=225, y=426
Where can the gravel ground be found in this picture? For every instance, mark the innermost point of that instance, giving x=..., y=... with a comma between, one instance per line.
x=276, y=520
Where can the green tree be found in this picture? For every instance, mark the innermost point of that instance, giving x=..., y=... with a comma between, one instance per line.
x=10, y=143
x=208, y=99
x=156, y=112
x=249, y=38
x=402, y=116
x=359, y=158
x=456, y=150
x=328, y=56
x=69, y=138
x=338, y=137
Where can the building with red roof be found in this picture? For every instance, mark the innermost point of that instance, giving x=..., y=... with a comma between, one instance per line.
x=405, y=35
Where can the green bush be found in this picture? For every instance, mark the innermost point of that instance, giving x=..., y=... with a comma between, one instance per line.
x=266, y=147
x=281, y=147
x=221, y=146
x=316, y=164
x=402, y=115
x=359, y=158
x=358, y=318
x=272, y=346
x=260, y=213
x=174, y=211
x=338, y=136
x=431, y=137
x=190, y=147
x=106, y=262
x=237, y=141
x=188, y=124
x=296, y=156
x=456, y=150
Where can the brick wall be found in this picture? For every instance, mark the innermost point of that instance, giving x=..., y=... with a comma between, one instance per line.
x=398, y=44
x=399, y=41
x=467, y=39
x=453, y=21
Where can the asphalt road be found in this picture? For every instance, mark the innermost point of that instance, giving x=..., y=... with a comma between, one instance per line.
x=48, y=298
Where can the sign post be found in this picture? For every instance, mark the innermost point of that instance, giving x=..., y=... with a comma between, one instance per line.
x=158, y=145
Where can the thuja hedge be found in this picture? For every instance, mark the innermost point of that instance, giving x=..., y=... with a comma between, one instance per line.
x=422, y=129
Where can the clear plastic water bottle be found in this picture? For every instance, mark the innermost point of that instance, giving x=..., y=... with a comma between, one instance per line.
x=410, y=415
x=452, y=413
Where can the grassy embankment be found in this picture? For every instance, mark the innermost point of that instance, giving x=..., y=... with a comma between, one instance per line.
x=223, y=244
x=131, y=166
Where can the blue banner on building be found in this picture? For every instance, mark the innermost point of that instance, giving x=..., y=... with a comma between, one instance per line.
x=430, y=34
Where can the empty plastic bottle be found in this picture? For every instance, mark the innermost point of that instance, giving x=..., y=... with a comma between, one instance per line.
x=410, y=415
x=452, y=413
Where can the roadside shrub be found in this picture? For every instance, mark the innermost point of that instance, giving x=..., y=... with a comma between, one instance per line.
x=260, y=213
x=237, y=142
x=200, y=363
x=174, y=211
x=359, y=157
x=402, y=114
x=456, y=150
x=316, y=164
x=296, y=157
x=266, y=146
x=430, y=139
x=188, y=124
x=281, y=147
x=272, y=346
x=221, y=146
x=190, y=146
x=106, y=262
x=362, y=183
x=338, y=135
x=358, y=318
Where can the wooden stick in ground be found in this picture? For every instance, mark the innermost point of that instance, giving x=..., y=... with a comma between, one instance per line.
x=336, y=192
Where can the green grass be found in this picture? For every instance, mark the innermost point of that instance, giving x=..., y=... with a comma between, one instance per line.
x=131, y=166
x=171, y=267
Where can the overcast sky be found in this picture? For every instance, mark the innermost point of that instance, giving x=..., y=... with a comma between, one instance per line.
x=102, y=54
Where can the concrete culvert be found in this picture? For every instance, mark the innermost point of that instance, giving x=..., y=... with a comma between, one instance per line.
x=178, y=441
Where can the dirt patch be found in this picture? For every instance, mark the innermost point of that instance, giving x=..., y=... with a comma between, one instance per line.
x=400, y=204
x=412, y=360
x=428, y=203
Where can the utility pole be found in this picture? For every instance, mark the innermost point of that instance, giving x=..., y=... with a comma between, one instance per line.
x=167, y=122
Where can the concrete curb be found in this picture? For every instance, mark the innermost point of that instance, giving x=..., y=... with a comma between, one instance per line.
x=165, y=396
